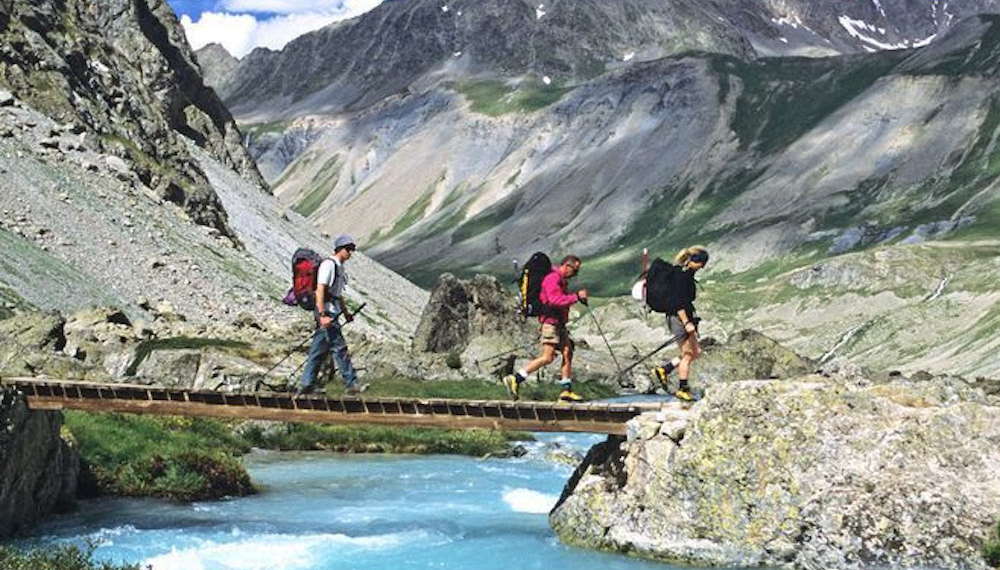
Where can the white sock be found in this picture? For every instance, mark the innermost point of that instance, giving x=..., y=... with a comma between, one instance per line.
x=523, y=374
x=566, y=383
x=675, y=362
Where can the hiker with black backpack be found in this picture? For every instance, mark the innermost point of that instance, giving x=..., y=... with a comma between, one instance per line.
x=672, y=289
x=328, y=306
x=552, y=310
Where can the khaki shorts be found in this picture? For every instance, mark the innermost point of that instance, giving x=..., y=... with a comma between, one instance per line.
x=556, y=335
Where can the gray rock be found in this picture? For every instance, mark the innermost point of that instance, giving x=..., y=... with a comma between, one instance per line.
x=224, y=372
x=460, y=312
x=116, y=164
x=749, y=355
x=38, y=469
x=645, y=426
x=803, y=474
x=176, y=368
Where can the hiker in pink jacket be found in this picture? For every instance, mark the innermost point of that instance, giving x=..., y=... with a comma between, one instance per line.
x=556, y=300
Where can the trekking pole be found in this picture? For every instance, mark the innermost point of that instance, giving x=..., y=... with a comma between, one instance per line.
x=300, y=345
x=606, y=343
x=291, y=352
x=504, y=353
x=647, y=356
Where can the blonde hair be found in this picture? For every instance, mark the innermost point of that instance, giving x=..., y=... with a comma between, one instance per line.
x=684, y=255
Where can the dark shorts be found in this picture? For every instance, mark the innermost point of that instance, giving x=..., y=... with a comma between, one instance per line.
x=676, y=327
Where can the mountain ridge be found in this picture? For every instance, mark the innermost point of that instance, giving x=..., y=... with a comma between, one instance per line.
x=354, y=63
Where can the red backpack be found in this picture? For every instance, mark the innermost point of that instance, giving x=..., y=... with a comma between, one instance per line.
x=305, y=269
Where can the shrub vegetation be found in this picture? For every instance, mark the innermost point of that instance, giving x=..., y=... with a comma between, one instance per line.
x=991, y=552
x=59, y=557
x=379, y=439
x=178, y=458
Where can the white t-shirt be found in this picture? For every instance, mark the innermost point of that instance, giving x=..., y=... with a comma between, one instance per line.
x=333, y=274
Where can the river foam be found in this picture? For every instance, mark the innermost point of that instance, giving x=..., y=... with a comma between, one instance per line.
x=529, y=501
x=276, y=551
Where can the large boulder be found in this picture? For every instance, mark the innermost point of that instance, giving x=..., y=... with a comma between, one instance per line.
x=805, y=473
x=475, y=315
x=746, y=355
x=38, y=469
x=32, y=343
x=749, y=355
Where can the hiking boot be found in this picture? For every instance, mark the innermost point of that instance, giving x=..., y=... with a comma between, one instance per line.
x=303, y=390
x=683, y=395
x=662, y=373
x=570, y=396
x=355, y=389
x=510, y=382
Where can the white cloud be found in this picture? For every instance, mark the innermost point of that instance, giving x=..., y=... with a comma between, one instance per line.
x=299, y=6
x=241, y=33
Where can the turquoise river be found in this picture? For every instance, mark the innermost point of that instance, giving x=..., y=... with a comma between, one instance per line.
x=322, y=511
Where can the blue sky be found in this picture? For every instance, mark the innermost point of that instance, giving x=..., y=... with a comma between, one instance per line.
x=242, y=25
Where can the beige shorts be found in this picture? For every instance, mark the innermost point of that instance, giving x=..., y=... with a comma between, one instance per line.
x=556, y=335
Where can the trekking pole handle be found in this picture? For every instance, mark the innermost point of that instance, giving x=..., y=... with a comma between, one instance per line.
x=355, y=312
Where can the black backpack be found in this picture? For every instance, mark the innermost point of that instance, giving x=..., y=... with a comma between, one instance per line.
x=529, y=284
x=658, y=284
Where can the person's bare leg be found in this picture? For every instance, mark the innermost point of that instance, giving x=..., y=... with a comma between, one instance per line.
x=567, y=361
x=546, y=358
x=690, y=350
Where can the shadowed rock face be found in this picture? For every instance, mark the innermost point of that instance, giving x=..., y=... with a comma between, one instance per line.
x=812, y=473
x=38, y=470
x=123, y=74
x=462, y=312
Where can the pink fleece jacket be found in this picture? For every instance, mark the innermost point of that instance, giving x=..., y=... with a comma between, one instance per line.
x=556, y=296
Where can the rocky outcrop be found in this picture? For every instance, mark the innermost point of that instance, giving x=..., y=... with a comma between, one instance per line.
x=811, y=473
x=217, y=65
x=33, y=343
x=38, y=469
x=749, y=354
x=745, y=355
x=121, y=75
x=475, y=312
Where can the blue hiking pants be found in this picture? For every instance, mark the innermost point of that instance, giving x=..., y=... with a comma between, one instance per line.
x=326, y=341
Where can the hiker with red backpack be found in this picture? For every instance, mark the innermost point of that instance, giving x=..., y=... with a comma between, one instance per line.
x=552, y=309
x=671, y=289
x=327, y=306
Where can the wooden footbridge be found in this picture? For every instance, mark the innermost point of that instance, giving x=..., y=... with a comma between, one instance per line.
x=49, y=394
